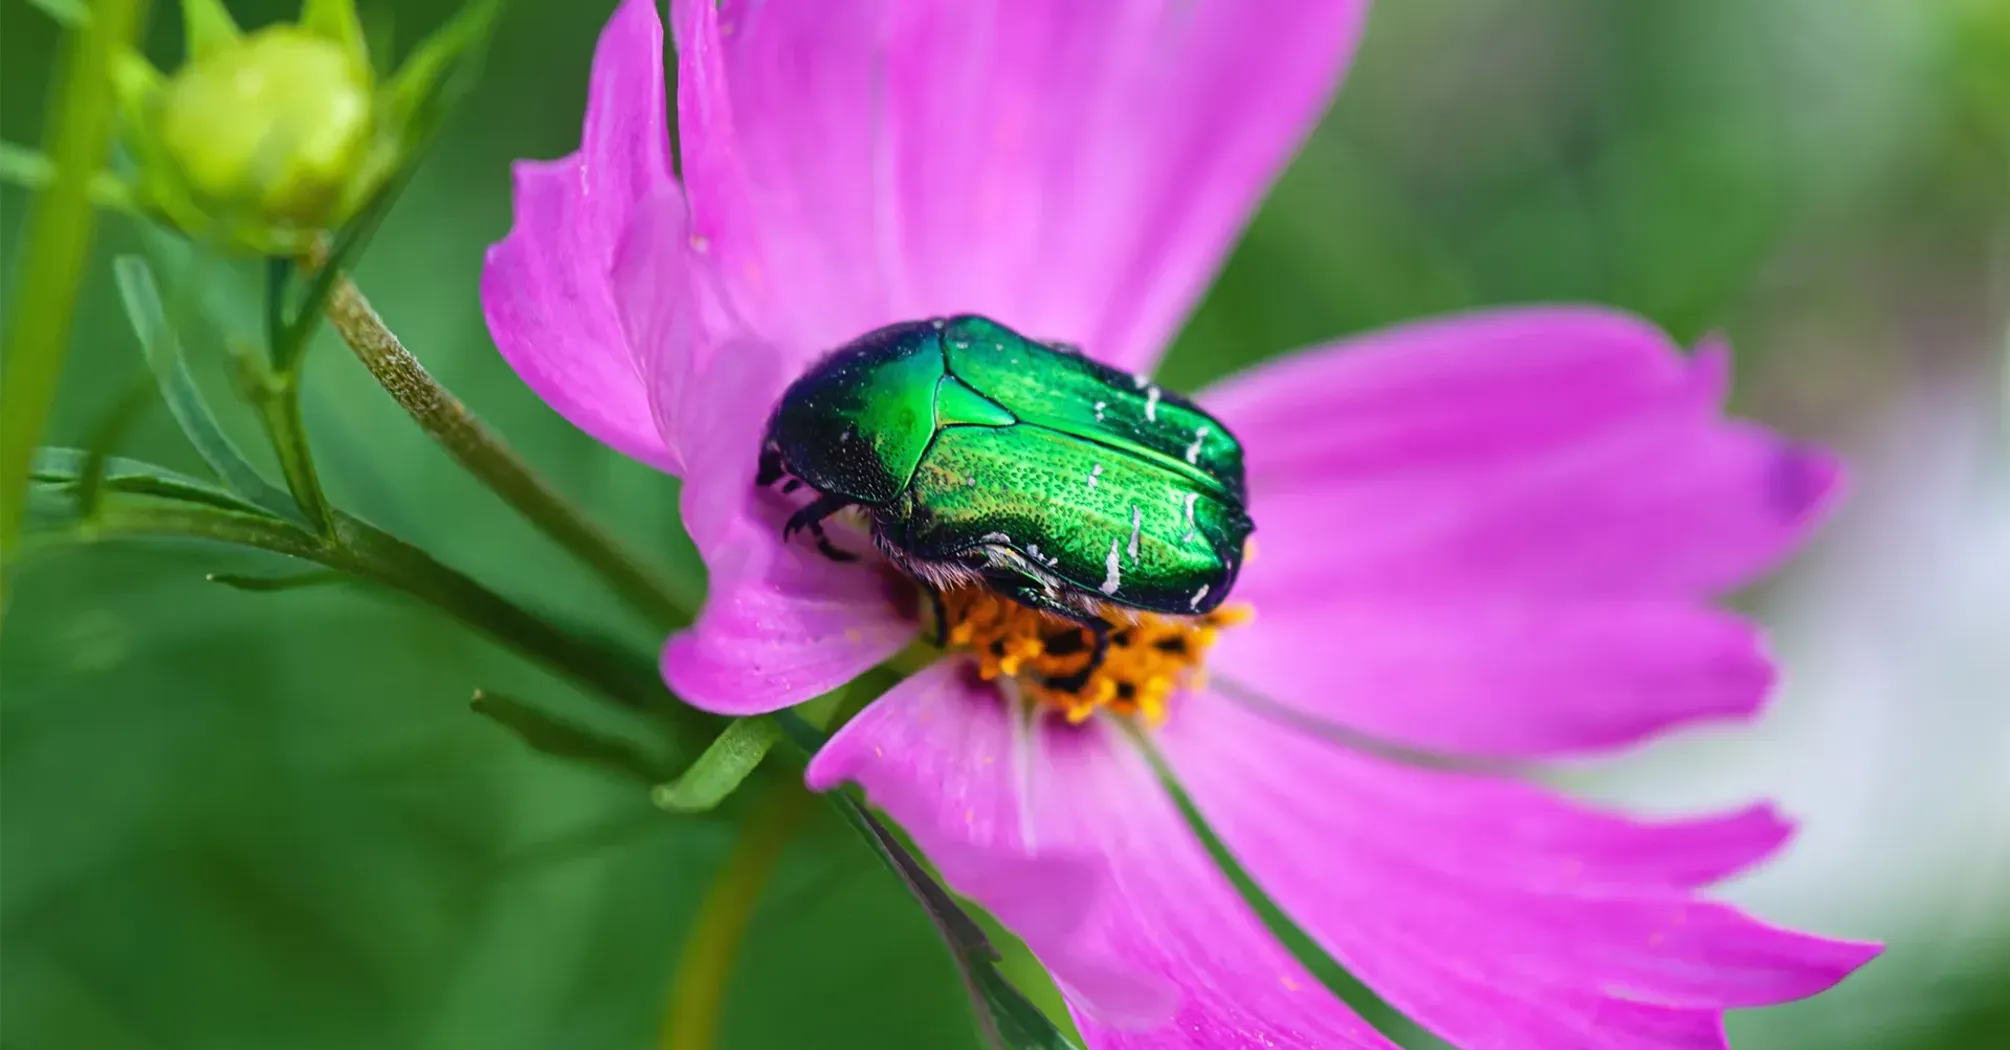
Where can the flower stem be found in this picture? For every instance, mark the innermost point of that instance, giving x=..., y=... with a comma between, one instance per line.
x=276, y=395
x=494, y=463
x=55, y=246
x=698, y=987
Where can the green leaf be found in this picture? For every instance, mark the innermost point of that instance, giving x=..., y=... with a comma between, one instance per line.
x=723, y=765
x=1019, y=1024
x=30, y=169
x=104, y=437
x=269, y=584
x=207, y=28
x=336, y=20
x=560, y=739
x=1343, y=984
x=68, y=13
x=68, y=466
x=441, y=69
x=184, y=399
x=1008, y=1020
x=25, y=167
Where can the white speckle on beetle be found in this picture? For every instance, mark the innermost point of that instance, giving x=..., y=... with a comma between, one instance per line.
x=1139, y=382
x=938, y=323
x=844, y=435
x=1094, y=473
x=1197, y=596
x=1137, y=523
x=971, y=481
x=1114, y=571
x=1152, y=396
x=994, y=537
x=1193, y=450
x=1191, y=499
x=1100, y=405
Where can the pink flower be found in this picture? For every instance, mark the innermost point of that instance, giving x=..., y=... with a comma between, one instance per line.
x=1495, y=535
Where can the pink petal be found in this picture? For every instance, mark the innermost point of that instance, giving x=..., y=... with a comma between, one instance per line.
x=779, y=628
x=1498, y=675
x=660, y=305
x=1487, y=911
x=1171, y=910
x=781, y=623
x=1074, y=170
x=938, y=753
x=1538, y=452
x=546, y=290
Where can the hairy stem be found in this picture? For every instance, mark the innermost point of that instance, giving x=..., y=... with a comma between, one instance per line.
x=698, y=987
x=55, y=245
x=494, y=463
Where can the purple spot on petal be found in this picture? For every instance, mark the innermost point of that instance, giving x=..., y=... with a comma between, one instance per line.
x=1801, y=480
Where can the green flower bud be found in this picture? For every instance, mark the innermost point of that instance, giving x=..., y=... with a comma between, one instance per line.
x=277, y=126
x=266, y=141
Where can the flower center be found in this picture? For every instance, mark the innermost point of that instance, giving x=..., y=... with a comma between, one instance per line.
x=1149, y=657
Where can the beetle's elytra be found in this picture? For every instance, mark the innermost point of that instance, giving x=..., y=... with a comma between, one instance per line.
x=983, y=457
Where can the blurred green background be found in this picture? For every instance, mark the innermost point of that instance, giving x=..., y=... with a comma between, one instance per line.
x=235, y=820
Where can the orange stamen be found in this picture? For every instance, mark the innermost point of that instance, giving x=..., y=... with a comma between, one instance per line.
x=1150, y=656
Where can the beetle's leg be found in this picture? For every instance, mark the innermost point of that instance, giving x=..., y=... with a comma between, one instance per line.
x=771, y=467
x=828, y=549
x=812, y=517
x=941, y=612
x=1034, y=597
x=1099, y=648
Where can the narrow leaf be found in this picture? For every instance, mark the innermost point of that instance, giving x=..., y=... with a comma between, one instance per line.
x=721, y=768
x=30, y=169
x=207, y=28
x=65, y=467
x=104, y=437
x=267, y=584
x=1338, y=979
x=184, y=399
x=25, y=167
x=1008, y=1020
x=136, y=85
x=421, y=92
x=561, y=739
x=336, y=20
x=71, y=14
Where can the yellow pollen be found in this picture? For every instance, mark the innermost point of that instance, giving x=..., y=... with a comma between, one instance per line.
x=1150, y=656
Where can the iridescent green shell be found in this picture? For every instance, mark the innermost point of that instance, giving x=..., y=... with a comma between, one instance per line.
x=980, y=453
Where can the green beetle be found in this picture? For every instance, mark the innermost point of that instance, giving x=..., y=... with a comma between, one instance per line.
x=983, y=457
